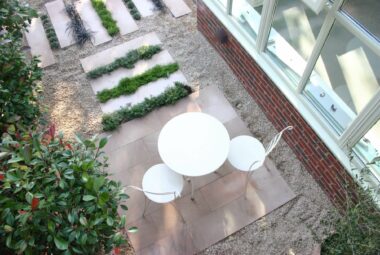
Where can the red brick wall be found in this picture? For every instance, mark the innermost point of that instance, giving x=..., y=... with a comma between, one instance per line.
x=308, y=147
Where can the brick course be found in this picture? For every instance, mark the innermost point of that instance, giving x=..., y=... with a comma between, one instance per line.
x=304, y=142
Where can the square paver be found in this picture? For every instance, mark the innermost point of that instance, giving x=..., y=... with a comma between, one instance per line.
x=39, y=43
x=60, y=20
x=177, y=7
x=145, y=7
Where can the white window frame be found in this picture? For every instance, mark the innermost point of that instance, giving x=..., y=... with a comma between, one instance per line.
x=339, y=145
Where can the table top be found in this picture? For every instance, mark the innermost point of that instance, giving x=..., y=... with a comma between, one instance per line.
x=193, y=144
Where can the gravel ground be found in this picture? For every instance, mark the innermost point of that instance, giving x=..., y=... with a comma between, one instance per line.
x=295, y=228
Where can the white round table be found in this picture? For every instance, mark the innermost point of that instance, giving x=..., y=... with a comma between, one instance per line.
x=193, y=144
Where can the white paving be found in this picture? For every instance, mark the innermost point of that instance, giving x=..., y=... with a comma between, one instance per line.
x=177, y=7
x=60, y=21
x=92, y=22
x=39, y=44
x=110, y=80
x=149, y=90
x=109, y=55
x=145, y=7
x=121, y=15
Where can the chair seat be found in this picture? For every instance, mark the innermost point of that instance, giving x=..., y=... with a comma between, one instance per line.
x=244, y=150
x=161, y=179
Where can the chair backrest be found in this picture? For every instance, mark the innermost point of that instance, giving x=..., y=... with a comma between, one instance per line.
x=275, y=141
x=154, y=193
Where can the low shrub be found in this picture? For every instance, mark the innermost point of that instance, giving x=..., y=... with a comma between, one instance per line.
x=132, y=9
x=105, y=16
x=128, y=61
x=128, y=86
x=50, y=33
x=159, y=5
x=76, y=27
x=169, y=96
x=55, y=197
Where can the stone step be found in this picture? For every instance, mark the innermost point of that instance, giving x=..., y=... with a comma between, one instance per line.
x=109, y=55
x=145, y=7
x=151, y=89
x=39, y=43
x=177, y=7
x=60, y=21
x=121, y=15
x=92, y=22
x=110, y=80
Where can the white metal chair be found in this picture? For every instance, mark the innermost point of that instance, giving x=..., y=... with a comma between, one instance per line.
x=162, y=185
x=248, y=154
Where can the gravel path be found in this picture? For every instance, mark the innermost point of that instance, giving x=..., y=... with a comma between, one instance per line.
x=294, y=228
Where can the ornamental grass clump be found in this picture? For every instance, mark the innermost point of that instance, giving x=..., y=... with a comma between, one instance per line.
x=169, y=96
x=55, y=197
x=128, y=86
x=128, y=61
x=105, y=16
x=159, y=5
x=76, y=27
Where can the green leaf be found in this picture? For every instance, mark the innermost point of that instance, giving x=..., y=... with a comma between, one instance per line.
x=133, y=230
x=102, y=142
x=110, y=221
x=98, y=183
x=51, y=226
x=124, y=196
x=61, y=243
x=15, y=160
x=71, y=218
x=88, y=197
x=124, y=207
x=83, y=220
x=29, y=197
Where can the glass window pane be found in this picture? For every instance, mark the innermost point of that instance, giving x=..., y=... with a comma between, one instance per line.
x=368, y=148
x=248, y=14
x=345, y=78
x=293, y=35
x=223, y=3
x=365, y=13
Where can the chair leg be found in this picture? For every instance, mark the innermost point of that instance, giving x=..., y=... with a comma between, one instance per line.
x=146, y=205
x=246, y=184
x=175, y=207
x=192, y=191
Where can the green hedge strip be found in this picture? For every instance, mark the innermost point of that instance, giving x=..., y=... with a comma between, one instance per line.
x=128, y=61
x=169, y=96
x=105, y=16
x=132, y=9
x=128, y=86
x=50, y=33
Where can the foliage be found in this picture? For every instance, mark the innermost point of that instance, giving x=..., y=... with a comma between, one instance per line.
x=19, y=76
x=50, y=33
x=105, y=16
x=128, y=85
x=76, y=26
x=15, y=17
x=132, y=9
x=357, y=231
x=128, y=61
x=169, y=96
x=55, y=197
x=159, y=5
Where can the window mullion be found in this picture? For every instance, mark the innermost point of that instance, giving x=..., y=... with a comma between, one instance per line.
x=361, y=124
x=229, y=7
x=266, y=24
x=321, y=39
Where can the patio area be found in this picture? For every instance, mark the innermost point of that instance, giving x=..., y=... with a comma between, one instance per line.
x=220, y=207
x=284, y=207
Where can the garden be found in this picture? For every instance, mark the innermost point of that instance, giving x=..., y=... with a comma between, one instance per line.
x=58, y=191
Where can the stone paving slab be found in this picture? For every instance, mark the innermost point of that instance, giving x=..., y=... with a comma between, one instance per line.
x=92, y=22
x=151, y=89
x=121, y=15
x=60, y=21
x=39, y=43
x=110, y=80
x=177, y=7
x=145, y=7
x=109, y=55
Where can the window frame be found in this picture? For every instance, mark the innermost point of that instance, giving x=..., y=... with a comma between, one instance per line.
x=341, y=146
